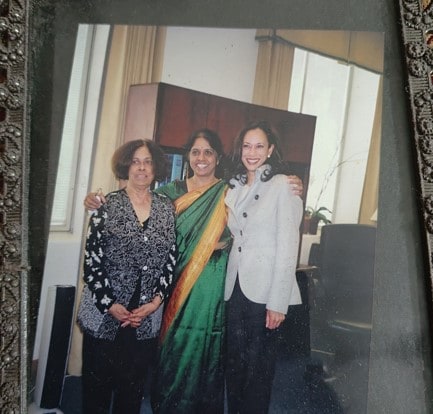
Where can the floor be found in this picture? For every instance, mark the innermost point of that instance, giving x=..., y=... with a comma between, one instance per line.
x=327, y=372
x=301, y=386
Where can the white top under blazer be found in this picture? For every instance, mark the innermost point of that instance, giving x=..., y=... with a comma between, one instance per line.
x=264, y=219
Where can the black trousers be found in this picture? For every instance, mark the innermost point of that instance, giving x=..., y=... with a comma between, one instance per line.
x=115, y=371
x=251, y=356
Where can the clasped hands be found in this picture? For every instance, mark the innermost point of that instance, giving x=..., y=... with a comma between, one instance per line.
x=133, y=318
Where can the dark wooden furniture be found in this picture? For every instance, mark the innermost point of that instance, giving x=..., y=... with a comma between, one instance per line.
x=169, y=114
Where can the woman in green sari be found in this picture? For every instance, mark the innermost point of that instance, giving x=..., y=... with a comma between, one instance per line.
x=190, y=373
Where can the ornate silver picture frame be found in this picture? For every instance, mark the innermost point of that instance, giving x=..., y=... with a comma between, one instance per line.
x=418, y=52
x=400, y=362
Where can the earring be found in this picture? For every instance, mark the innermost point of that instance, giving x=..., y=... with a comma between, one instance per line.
x=269, y=156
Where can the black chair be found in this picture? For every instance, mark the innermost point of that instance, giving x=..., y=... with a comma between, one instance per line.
x=340, y=311
x=341, y=315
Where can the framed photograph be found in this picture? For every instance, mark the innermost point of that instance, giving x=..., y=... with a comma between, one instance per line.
x=40, y=63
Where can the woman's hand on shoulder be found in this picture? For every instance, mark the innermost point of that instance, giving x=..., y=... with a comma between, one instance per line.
x=94, y=200
x=274, y=319
x=295, y=184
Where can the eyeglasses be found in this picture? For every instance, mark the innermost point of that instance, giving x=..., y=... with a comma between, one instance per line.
x=148, y=162
x=208, y=152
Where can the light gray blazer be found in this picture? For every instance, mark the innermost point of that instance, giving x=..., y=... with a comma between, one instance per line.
x=264, y=220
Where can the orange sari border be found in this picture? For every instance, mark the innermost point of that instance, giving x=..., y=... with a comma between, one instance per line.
x=183, y=202
x=199, y=257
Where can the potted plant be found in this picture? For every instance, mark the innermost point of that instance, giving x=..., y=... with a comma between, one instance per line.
x=313, y=217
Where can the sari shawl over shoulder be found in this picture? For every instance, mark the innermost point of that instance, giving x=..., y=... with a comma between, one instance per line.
x=190, y=368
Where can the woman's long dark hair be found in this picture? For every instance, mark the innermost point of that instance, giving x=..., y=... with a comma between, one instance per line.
x=274, y=162
x=215, y=143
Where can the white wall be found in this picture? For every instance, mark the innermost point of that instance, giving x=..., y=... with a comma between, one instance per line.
x=217, y=61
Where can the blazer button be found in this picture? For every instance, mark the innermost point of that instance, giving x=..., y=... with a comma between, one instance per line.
x=245, y=214
x=239, y=249
x=256, y=197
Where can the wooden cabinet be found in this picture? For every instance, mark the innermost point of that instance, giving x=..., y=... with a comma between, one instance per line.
x=169, y=114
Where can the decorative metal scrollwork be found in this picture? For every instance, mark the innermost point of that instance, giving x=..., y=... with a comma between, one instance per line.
x=12, y=100
x=417, y=31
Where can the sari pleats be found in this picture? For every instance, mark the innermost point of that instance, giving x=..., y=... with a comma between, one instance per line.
x=189, y=375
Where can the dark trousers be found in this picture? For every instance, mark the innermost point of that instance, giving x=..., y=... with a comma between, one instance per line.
x=251, y=356
x=115, y=371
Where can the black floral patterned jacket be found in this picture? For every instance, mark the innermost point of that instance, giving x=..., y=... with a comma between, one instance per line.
x=122, y=254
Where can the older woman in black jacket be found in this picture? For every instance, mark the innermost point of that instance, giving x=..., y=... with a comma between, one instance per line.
x=129, y=258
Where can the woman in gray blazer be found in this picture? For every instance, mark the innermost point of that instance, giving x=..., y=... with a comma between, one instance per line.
x=264, y=217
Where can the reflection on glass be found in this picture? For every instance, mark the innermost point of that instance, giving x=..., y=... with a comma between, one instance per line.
x=343, y=90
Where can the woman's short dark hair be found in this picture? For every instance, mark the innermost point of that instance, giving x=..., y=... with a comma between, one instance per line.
x=122, y=159
x=275, y=162
x=215, y=143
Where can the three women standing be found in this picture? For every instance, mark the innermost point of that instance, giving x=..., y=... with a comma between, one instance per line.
x=190, y=370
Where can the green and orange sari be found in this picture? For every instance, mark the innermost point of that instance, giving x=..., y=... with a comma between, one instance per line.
x=190, y=372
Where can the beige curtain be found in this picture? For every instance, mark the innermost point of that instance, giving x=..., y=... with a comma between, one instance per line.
x=370, y=194
x=361, y=48
x=273, y=71
x=135, y=56
x=275, y=57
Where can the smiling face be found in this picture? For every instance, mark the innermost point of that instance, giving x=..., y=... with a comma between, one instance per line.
x=255, y=150
x=203, y=158
x=141, y=169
